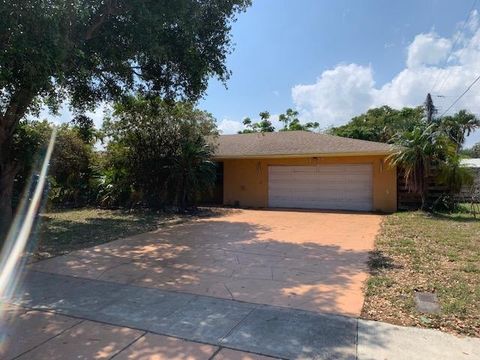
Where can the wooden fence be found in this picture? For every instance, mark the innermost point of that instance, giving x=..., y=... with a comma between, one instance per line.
x=409, y=201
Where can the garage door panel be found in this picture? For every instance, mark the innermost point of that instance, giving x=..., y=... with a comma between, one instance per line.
x=343, y=187
x=323, y=194
x=327, y=205
x=313, y=178
x=329, y=184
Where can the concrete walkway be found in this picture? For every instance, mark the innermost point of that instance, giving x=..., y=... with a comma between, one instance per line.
x=97, y=319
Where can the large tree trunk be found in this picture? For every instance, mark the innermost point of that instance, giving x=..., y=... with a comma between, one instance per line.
x=6, y=192
x=9, y=119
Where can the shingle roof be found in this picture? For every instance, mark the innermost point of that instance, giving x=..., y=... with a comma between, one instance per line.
x=294, y=143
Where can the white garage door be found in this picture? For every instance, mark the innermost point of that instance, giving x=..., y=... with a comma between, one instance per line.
x=336, y=187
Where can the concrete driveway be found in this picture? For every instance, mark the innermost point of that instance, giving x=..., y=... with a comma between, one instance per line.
x=314, y=261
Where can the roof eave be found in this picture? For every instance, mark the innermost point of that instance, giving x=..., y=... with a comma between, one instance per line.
x=282, y=156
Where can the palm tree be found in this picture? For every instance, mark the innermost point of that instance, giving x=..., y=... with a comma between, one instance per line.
x=459, y=126
x=192, y=171
x=416, y=151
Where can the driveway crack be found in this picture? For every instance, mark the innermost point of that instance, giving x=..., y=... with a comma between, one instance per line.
x=47, y=340
x=231, y=295
x=237, y=325
x=129, y=344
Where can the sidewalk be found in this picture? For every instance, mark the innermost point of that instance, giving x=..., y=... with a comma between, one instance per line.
x=95, y=319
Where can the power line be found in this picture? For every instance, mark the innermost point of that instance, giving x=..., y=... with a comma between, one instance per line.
x=447, y=75
x=458, y=98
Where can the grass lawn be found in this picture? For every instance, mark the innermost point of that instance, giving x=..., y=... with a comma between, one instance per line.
x=61, y=232
x=440, y=253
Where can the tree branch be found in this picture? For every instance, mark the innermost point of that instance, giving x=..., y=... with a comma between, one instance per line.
x=111, y=8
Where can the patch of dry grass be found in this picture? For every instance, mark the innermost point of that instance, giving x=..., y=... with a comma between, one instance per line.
x=60, y=232
x=417, y=251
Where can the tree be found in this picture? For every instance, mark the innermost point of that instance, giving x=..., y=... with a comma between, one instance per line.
x=85, y=128
x=291, y=122
x=264, y=125
x=438, y=142
x=416, y=151
x=473, y=152
x=74, y=169
x=91, y=51
x=29, y=139
x=459, y=126
x=381, y=124
x=193, y=170
x=158, y=152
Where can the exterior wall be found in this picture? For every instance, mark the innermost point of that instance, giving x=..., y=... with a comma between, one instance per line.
x=246, y=180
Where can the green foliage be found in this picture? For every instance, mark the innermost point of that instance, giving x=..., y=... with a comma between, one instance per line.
x=115, y=187
x=264, y=125
x=381, y=124
x=437, y=142
x=88, y=51
x=454, y=176
x=193, y=171
x=291, y=122
x=85, y=128
x=416, y=151
x=459, y=126
x=29, y=139
x=74, y=169
x=96, y=50
x=158, y=153
x=473, y=152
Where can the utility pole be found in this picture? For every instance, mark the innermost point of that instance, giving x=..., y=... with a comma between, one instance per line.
x=429, y=108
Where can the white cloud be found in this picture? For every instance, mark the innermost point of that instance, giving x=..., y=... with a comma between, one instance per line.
x=349, y=89
x=427, y=49
x=227, y=126
x=338, y=94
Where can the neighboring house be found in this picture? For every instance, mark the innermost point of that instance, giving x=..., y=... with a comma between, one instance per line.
x=300, y=169
x=472, y=192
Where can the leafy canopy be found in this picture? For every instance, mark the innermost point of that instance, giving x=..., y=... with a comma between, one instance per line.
x=264, y=125
x=91, y=51
x=158, y=150
x=458, y=126
x=74, y=167
x=381, y=124
x=438, y=142
x=290, y=121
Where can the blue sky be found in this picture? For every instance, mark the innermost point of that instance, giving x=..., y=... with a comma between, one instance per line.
x=332, y=60
x=281, y=44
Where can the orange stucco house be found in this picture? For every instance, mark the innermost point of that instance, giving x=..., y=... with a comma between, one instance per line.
x=300, y=169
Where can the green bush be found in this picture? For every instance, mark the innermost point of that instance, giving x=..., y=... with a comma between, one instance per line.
x=158, y=154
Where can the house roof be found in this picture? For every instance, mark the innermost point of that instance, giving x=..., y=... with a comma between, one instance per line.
x=294, y=144
x=473, y=163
